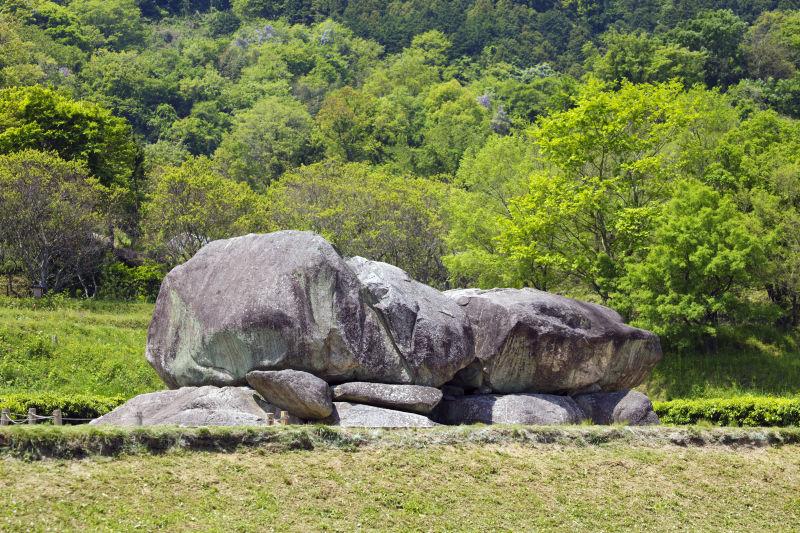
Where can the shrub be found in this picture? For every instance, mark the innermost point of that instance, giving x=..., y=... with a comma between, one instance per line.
x=131, y=283
x=750, y=411
x=72, y=405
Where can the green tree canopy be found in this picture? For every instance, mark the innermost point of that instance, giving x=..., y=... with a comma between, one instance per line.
x=192, y=205
x=704, y=254
x=51, y=218
x=46, y=120
x=365, y=211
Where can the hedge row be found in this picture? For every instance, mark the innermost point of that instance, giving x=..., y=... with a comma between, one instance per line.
x=747, y=411
x=72, y=405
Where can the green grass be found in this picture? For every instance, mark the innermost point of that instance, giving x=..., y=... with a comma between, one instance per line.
x=74, y=346
x=763, y=363
x=464, y=487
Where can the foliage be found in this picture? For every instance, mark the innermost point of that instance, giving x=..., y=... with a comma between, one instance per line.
x=49, y=218
x=192, y=205
x=704, y=254
x=42, y=119
x=364, y=211
x=641, y=58
x=266, y=141
x=752, y=411
x=72, y=405
x=605, y=165
x=119, y=281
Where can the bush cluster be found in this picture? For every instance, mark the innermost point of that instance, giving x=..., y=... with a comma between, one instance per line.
x=72, y=405
x=746, y=411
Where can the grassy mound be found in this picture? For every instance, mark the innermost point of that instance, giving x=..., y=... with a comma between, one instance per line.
x=504, y=486
x=40, y=442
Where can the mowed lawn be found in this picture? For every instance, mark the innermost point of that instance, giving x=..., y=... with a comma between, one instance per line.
x=468, y=488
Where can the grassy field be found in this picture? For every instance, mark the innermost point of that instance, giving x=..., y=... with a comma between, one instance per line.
x=95, y=347
x=614, y=487
x=74, y=346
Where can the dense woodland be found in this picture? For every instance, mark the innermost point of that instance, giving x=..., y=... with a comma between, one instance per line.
x=641, y=154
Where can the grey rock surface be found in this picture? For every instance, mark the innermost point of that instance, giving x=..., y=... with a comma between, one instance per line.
x=288, y=300
x=193, y=406
x=535, y=409
x=528, y=340
x=624, y=407
x=304, y=395
x=347, y=414
x=430, y=330
x=414, y=398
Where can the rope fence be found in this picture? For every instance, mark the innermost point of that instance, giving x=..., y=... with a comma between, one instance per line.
x=7, y=418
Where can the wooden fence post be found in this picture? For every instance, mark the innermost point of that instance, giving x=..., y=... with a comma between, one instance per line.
x=5, y=417
x=32, y=415
x=270, y=419
x=57, y=420
x=284, y=418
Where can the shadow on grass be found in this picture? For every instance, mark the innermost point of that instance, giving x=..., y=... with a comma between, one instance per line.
x=763, y=362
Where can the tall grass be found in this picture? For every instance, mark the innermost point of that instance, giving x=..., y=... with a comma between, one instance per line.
x=765, y=361
x=72, y=346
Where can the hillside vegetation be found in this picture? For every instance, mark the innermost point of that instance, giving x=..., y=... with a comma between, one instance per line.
x=645, y=155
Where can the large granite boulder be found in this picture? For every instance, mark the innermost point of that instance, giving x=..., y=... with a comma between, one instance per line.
x=532, y=341
x=535, y=409
x=624, y=407
x=288, y=300
x=414, y=398
x=354, y=415
x=192, y=406
x=430, y=330
x=304, y=395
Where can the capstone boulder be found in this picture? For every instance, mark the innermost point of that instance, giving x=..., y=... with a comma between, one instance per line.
x=533, y=341
x=288, y=300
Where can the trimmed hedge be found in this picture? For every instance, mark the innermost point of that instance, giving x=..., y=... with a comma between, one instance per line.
x=746, y=411
x=71, y=405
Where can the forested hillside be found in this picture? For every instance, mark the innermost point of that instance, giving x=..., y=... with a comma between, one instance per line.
x=642, y=154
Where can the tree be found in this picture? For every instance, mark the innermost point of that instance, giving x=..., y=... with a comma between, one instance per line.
x=191, y=205
x=346, y=128
x=266, y=141
x=719, y=33
x=51, y=219
x=641, y=58
x=605, y=165
x=488, y=179
x=365, y=211
x=117, y=23
x=771, y=46
x=454, y=122
x=43, y=119
x=704, y=253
